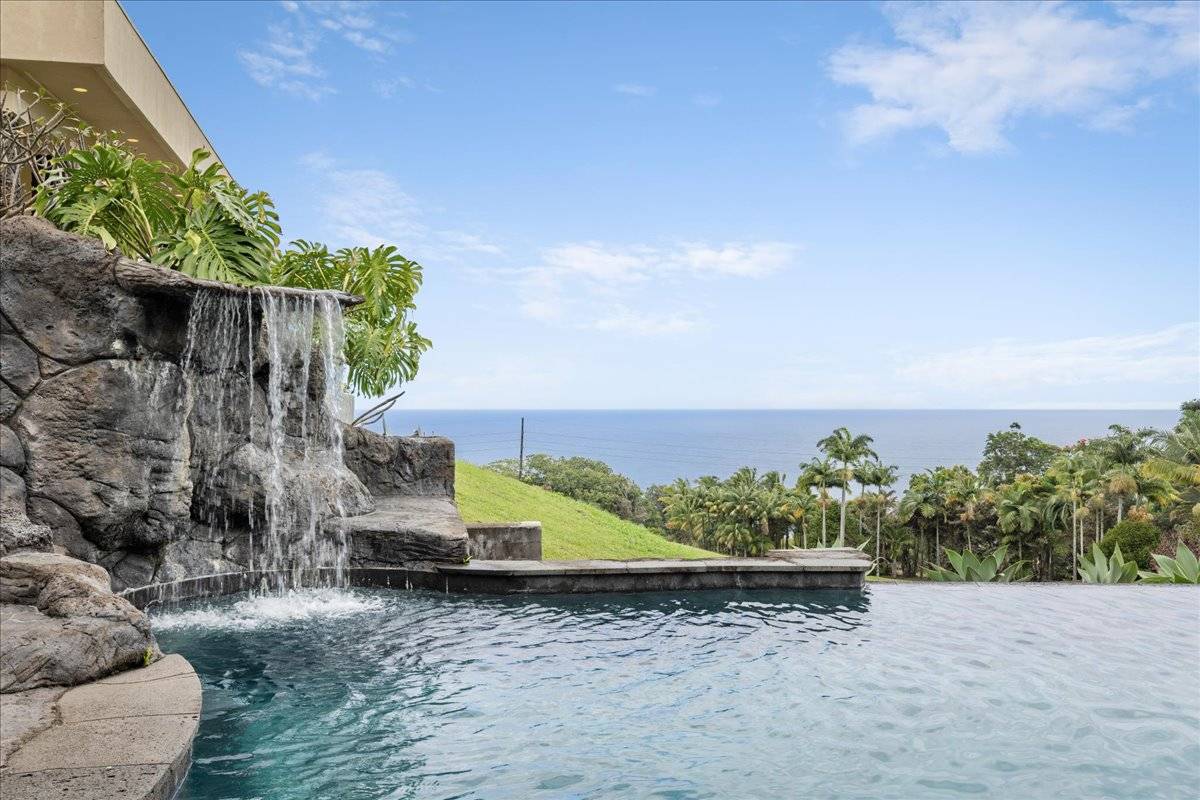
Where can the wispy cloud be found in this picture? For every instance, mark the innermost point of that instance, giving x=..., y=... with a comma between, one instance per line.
x=284, y=61
x=706, y=100
x=1171, y=354
x=287, y=59
x=592, y=284
x=635, y=89
x=621, y=319
x=973, y=69
x=368, y=207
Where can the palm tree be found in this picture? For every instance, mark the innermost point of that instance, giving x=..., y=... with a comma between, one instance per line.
x=1121, y=482
x=966, y=490
x=919, y=503
x=820, y=473
x=844, y=447
x=1178, y=460
x=875, y=474
x=1017, y=510
x=1072, y=471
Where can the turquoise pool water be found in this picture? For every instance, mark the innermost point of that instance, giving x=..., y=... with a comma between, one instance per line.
x=900, y=692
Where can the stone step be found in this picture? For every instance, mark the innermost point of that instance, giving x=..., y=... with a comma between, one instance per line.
x=404, y=529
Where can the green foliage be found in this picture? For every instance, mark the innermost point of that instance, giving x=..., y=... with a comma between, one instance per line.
x=966, y=566
x=383, y=347
x=848, y=449
x=571, y=529
x=1183, y=568
x=1010, y=453
x=1102, y=569
x=743, y=515
x=202, y=223
x=1135, y=537
x=583, y=479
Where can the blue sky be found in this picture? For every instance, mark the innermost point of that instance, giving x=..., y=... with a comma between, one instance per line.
x=738, y=206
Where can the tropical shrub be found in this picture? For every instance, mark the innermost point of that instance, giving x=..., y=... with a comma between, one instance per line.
x=583, y=479
x=204, y=224
x=383, y=347
x=966, y=566
x=1183, y=568
x=200, y=222
x=1135, y=537
x=1102, y=569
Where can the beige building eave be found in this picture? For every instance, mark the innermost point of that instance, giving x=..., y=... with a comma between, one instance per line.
x=67, y=45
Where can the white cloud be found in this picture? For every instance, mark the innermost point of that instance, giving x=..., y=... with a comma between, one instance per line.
x=368, y=207
x=625, y=320
x=287, y=59
x=705, y=100
x=389, y=87
x=285, y=62
x=1171, y=354
x=635, y=89
x=592, y=283
x=973, y=69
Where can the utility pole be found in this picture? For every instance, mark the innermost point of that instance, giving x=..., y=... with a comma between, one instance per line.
x=521, y=458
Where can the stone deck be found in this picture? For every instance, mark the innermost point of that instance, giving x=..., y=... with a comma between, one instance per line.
x=126, y=736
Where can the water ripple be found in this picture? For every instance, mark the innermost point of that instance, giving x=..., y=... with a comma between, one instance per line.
x=903, y=692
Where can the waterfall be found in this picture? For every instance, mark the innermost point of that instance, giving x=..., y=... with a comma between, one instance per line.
x=263, y=372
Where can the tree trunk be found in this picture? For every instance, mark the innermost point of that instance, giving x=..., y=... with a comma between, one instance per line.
x=1074, y=534
x=878, y=549
x=1120, y=508
x=841, y=540
x=822, y=520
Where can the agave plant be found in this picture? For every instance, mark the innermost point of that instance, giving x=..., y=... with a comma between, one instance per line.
x=1102, y=569
x=1183, y=568
x=967, y=567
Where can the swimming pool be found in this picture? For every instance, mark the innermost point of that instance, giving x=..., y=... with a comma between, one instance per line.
x=910, y=691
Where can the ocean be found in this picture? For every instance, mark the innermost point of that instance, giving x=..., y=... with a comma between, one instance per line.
x=659, y=446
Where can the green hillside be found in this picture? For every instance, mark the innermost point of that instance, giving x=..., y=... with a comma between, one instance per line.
x=570, y=529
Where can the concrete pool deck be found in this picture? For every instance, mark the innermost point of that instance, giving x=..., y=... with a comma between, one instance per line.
x=125, y=736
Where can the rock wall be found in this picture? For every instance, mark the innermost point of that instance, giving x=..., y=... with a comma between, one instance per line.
x=110, y=446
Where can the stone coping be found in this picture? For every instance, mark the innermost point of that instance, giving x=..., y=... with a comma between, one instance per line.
x=654, y=565
x=126, y=736
x=139, y=277
x=798, y=569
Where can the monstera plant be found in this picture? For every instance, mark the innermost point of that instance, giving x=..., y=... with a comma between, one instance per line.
x=1104, y=569
x=967, y=567
x=1183, y=568
x=200, y=221
x=203, y=223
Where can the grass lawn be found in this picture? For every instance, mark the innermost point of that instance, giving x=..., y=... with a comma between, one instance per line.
x=570, y=529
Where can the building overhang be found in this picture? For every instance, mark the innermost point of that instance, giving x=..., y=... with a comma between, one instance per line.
x=65, y=46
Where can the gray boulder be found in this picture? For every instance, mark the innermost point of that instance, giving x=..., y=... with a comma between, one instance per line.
x=62, y=624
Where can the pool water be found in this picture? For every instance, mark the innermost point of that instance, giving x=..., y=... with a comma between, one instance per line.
x=899, y=692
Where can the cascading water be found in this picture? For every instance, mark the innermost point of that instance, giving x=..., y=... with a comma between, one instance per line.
x=263, y=373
